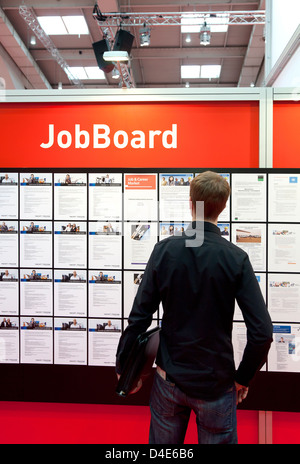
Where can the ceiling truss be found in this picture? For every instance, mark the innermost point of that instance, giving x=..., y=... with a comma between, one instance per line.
x=108, y=21
x=31, y=20
x=175, y=19
x=231, y=53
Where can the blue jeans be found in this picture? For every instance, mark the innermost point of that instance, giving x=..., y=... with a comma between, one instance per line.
x=170, y=414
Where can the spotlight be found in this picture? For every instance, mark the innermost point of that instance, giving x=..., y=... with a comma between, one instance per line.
x=188, y=38
x=115, y=56
x=205, y=35
x=33, y=40
x=145, y=35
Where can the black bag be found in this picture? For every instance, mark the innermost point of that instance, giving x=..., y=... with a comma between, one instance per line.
x=139, y=362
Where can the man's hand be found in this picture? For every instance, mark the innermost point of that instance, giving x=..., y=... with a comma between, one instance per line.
x=241, y=392
x=137, y=388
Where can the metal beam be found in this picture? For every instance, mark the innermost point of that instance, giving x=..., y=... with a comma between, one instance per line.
x=151, y=53
x=42, y=4
x=189, y=52
x=208, y=3
x=266, y=128
x=137, y=95
x=47, y=4
x=174, y=85
x=235, y=18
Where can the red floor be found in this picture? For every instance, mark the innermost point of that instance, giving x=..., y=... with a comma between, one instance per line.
x=43, y=423
x=36, y=423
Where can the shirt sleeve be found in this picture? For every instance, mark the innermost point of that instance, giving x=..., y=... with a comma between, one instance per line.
x=258, y=324
x=145, y=304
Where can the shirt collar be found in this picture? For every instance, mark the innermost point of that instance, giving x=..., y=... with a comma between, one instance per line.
x=208, y=226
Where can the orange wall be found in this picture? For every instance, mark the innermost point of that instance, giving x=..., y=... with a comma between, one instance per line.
x=286, y=150
x=212, y=134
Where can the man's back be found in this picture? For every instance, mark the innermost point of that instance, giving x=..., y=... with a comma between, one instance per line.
x=198, y=286
x=198, y=279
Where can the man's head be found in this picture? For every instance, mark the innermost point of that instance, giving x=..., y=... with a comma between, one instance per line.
x=211, y=189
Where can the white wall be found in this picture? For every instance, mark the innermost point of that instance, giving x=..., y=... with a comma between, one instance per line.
x=285, y=18
x=282, y=61
x=290, y=76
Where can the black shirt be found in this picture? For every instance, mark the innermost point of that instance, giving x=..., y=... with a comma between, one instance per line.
x=198, y=286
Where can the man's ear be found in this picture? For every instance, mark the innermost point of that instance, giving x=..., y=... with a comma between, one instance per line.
x=191, y=207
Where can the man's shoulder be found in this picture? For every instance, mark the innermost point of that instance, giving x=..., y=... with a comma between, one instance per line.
x=232, y=246
x=173, y=241
x=219, y=243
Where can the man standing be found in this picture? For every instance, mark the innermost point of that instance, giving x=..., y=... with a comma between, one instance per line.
x=198, y=277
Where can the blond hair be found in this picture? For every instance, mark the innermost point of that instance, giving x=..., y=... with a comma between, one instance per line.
x=212, y=189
